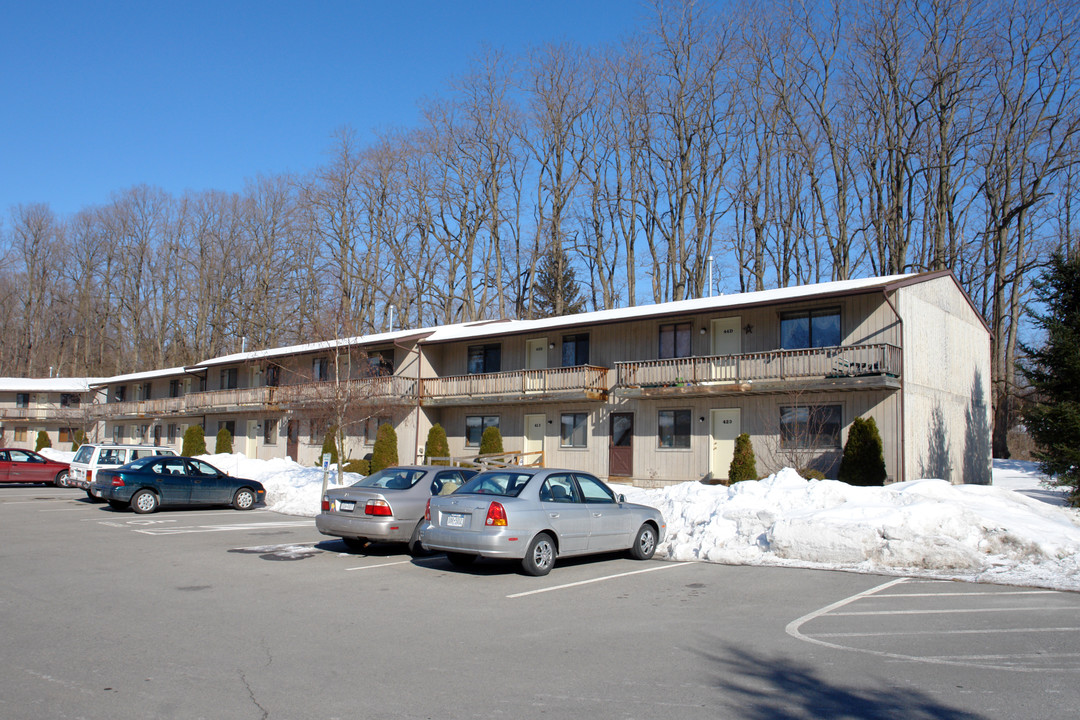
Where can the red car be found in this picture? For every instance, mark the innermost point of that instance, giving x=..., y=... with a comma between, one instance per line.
x=26, y=466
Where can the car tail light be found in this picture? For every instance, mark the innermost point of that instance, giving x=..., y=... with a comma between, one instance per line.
x=377, y=507
x=118, y=481
x=496, y=514
x=89, y=476
x=326, y=504
x=427, y=510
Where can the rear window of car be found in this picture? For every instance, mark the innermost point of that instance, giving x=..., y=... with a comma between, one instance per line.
x=84, y=454
x=497, y=482
x=391, y=479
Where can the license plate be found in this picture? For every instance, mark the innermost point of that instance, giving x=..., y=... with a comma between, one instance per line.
x=345, y=505
x=97, y=493
x=455, y=520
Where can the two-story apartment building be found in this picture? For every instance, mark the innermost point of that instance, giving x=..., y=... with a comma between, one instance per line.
x=58, y=406
x=648, y=394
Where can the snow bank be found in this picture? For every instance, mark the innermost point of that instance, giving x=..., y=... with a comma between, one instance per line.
x=291, y=488
x=923, y=528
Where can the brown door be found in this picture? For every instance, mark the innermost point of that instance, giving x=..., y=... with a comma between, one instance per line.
x=292, y=442
x=621, y=455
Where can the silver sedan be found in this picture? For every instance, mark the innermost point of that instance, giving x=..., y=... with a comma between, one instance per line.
x=536, y=515
x=387, y=505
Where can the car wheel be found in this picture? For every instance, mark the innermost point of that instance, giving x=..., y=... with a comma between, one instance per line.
x=415, y=548
x=354, y=543
x=61, y=479
x=144, y=502
x=645, y=543
x=460, y=559
x=93, y=497
x=244, y=499
x=540, y=557
x=117, y=504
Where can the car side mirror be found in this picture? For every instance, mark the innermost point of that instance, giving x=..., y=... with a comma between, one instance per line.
x=622, y=498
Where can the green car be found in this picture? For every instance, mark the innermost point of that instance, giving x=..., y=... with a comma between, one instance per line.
x=161, y=481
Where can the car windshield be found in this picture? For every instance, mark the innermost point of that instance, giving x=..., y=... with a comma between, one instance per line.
x=497, y=482
x=391, y=479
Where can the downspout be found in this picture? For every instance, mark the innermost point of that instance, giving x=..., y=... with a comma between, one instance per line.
x=903, y=372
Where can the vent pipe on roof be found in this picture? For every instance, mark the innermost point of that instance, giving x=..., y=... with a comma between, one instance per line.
x=391, y=318
x=50, y=370
x=710, y=276
x=243, y=343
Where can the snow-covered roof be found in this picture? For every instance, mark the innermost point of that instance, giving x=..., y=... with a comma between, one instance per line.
x=135, y=377
x=487, y=328
x=66, y=385
x=678, y=307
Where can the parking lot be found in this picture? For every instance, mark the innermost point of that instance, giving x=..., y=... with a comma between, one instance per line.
x=218, y=613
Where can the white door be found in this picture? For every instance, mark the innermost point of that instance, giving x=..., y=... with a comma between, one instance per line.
x=723, y=429
x=536, y=359
x=534, y=439
x=726, y=347
x=252, y=447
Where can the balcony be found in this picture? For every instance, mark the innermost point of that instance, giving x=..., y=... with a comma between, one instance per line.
x=580, y=382
x=387, y=390
x=47, y=412
x=834, y=368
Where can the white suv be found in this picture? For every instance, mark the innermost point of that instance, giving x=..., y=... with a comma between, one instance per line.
x=90, y=458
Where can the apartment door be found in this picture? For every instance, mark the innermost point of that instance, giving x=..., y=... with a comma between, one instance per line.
x=621, y=445
x=252, y=434
x=724, y=427
x=534, y=440
x=536, y=359
x=292, y=440
x=725, y=347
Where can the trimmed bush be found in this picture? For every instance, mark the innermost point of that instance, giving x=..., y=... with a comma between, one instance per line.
x=223, y=443
x=329, y=445
x=384, y=454
x=809, y=473
x=436, y=446
x=743, y=463
x=363, y=467
x=864, y=459
x=491, y=441
x=43, y=440
x=79, y=441
x=194, y=441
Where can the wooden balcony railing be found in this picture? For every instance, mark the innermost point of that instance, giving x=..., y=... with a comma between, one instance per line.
x=579, y=378
x=775, y=365
x=48, y=412
x=304, y=394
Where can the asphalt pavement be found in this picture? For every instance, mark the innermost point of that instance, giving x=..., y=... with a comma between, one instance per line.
x=214, y=613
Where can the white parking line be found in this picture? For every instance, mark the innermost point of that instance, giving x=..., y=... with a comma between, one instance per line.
x=665, y=566
x=388, y=564
x=953, y=611
x=981, y=631
x=220, y=528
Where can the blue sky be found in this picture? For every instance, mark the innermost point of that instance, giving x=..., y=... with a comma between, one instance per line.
x=96, y=97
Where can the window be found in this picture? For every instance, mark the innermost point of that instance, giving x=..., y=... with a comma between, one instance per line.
x=171, y=433
x=372, y=430
x=65, y=435
x=475, y=426
x=117, y=433
x=229, y=425
x=380, y=363
x=575, y=430
x=22, y=400
x=559, y=488
x=69, y=400
x=269, y=431
x=120, y=393
x=675, y=340
x=810, y=329
x=20, y=434
x=674, y=428
x=810, y=426
x=228, y=379
x=273, y=375
x=317, y=431
x=320, y=368
x=146, y=388
x=484, y=359
x=142, y=431
x=575, y=350
x=593, y=490
x=174, y=388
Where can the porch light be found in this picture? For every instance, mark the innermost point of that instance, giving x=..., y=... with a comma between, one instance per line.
x=702, y=331
x=551, y=346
